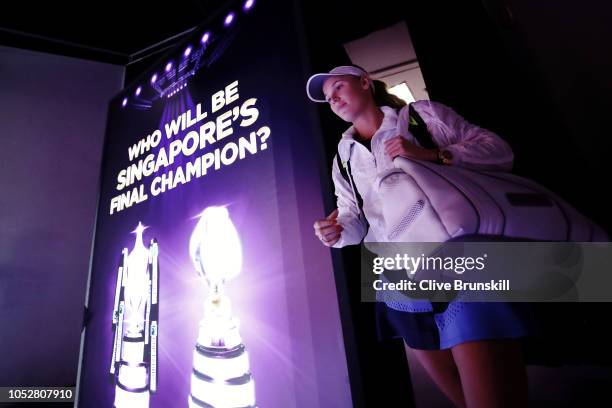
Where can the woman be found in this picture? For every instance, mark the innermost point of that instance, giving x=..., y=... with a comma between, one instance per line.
x=475, y=360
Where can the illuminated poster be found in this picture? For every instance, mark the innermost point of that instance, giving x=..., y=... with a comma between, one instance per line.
x=207, y=286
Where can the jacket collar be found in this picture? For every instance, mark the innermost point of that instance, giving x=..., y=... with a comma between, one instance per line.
x=389, y=121
x=348, y=137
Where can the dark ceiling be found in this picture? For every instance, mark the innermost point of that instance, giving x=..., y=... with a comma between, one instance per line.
x=109, y=31
x=116, y=31
x=136, y=33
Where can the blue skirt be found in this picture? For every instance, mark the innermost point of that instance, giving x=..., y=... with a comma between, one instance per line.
x=456, y=322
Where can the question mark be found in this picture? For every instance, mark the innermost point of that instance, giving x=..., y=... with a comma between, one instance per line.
x=264, y=133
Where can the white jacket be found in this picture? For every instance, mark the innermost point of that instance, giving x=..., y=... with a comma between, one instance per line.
x=471, y=146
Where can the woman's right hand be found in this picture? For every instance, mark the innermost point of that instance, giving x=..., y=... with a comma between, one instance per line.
x=328, y=230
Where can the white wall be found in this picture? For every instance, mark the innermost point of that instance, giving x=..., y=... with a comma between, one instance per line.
x=389, y=55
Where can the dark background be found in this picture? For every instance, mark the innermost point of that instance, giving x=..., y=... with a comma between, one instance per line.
x=476, y=57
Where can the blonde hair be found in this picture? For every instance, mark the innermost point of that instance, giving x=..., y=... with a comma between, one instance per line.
x=382, y=97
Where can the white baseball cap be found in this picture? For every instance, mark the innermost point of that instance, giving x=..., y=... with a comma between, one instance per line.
x=314, y=86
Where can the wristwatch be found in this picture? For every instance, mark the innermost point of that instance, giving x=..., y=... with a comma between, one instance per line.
x=444, y=156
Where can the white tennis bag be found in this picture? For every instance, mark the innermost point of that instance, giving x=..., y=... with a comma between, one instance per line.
x=427, y=202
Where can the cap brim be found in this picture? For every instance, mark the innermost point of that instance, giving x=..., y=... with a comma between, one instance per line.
x=314, y=87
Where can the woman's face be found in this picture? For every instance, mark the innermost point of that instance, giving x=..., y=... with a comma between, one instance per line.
x=347, y=96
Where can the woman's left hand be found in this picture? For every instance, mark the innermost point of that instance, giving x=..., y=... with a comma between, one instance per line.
x=399, y=146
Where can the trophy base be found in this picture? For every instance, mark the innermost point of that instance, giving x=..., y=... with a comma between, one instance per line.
x=221, y=378
x=126, y=398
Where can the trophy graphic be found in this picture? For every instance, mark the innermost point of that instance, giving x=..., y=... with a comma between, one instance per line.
x=221, y=375
x=135, y=323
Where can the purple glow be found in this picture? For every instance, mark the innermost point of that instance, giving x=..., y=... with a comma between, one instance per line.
x=124, y=102
x=154, y=78
x=248, y=4
x=169, y=66
x=138, y=90
x=205, y=37
x=229, y=19
x=187, y=51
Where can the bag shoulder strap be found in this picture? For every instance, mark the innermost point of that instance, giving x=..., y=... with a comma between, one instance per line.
x=345, y=170
x=418, y=128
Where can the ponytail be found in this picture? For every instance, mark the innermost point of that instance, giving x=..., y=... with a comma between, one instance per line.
x=382, y=97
